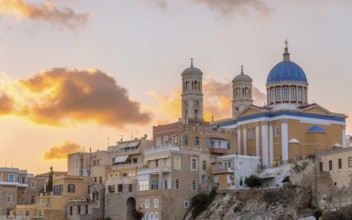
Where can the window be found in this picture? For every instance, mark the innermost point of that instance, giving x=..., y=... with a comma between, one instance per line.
x=156, y=203
x=27, y=213
x=70, y=210
x=58, y=189
x=340, y=163
x=120, y=188
x=350, y=162
x=185, y=140
x=71, y=188
x=166, y=140
x=156, y=163
x=146, y=203
x=130, y=188
x=304, y=95
x=204, y=164
x=8, y=198
x=143, y=185
x=86, y=209
x=95, y=179
x=33, y=184
x=32, y=199
x=193, y=163
x=272, y=95
x=111, y=189
x=321, y=168
x=285, y=94
x=186, y=204
x=277, y=131
x=177, y=164
x=177, y=184
x=151, y=216
x=79, y=210
x=100, y=179
x=165, y=184
x=11, y=177
x=174, y=139
x=146, y=216
x=293, y=93
x=299, y=94
x=250, y=132
x=156, y=216
x=194, y=185
x=278, y=94
x=196, y=141
x=330, y=164
x=158, y=141
x=155, y=185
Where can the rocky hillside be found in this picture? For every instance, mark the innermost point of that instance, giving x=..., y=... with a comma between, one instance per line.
x=296, y=200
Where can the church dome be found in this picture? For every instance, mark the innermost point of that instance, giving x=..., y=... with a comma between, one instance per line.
x=286, y=71
x=242, y=77
x=192, y=70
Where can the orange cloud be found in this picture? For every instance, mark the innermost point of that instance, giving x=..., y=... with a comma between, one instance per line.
x=60, y=151
x=217, y=102
x=45, y=12
x=6, y=104
x=62, y=97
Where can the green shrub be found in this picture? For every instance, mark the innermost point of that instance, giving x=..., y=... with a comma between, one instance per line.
x=200, y=202
x=253, y=181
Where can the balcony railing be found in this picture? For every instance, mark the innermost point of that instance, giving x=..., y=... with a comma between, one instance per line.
x=156, y=149
x=215, y=150
x=126, y=151
x=153, y=170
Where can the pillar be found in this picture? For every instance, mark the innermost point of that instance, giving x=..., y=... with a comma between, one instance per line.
x=284, y=140
x=265, y=153
x=239, y=140
x=271, y=145
x=257, y=139
x=244, y=141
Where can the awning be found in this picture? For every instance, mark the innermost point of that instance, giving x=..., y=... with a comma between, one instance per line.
x=120, y=159
x=128, y=144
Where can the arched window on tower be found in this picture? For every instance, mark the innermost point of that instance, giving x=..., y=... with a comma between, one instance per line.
x=304, y=95
x=246, y=91
x=293, y=94
x=272, y=95
x=195, y=85
x=299, y=94
x=278, y=94
x=285, y=94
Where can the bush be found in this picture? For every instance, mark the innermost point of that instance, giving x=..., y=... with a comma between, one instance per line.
x=253, y=181
x=200, y=202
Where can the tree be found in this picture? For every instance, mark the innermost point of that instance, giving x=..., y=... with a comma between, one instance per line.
x=253, y=181
x=49, y=184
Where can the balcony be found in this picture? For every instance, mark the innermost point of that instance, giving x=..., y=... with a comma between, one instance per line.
x=215, y=150
x=153, y=170
x=220, y=169
x=128, y=151
x=157, y=149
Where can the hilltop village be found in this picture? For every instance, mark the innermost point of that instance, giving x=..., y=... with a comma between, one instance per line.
x=156, y=179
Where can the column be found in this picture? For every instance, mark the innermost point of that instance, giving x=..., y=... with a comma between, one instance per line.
x=284, y=140
x=271, y=145
x=160, y=182
x=344, y=142
x=265, y=152
x=244, y=141
x=238, y=140
x=257, y=139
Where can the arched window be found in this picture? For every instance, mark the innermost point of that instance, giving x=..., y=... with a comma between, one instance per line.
x=151, y=216
x=285, y=94
x=304, y=95
x=293, y=94
x=272, y=95
x=146, y=216
x=299, y=94
x=156, y=216
x=156, y=203
x=146, y=204
x=278, y=94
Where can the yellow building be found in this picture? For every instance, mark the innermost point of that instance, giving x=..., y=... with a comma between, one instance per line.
x=287, y=127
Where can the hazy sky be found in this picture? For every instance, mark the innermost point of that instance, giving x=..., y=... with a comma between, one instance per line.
x=79, y=73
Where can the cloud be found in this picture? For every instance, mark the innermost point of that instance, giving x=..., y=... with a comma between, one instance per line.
x=60, y=151
x=230, y=6
x=6, y=104
x=217, y=102
x=225, y=7
x=47, y=12
x=64, y=97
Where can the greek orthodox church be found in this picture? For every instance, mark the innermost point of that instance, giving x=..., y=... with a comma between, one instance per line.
x=287, y=128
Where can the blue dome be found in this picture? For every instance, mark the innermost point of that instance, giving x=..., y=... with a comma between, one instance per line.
x=286, y=71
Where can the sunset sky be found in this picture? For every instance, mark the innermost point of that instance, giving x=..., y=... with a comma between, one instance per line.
x=79, y=74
